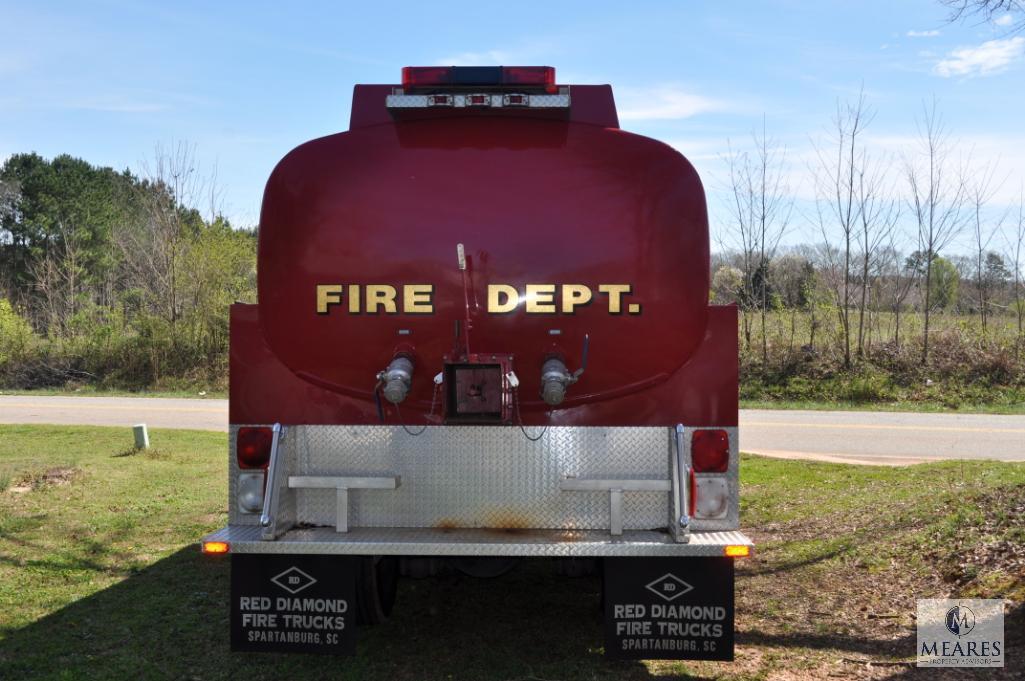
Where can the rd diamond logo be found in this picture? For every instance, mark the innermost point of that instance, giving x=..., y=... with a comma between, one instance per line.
x=293, y=580
x=669, y=586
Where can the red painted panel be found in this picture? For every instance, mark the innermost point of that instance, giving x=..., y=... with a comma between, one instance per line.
x=702, y=393
x=534, y=201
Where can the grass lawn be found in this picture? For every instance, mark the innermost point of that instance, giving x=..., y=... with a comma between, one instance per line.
x=100, y=577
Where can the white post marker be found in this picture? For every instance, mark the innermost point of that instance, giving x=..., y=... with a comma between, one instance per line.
x=141, y=436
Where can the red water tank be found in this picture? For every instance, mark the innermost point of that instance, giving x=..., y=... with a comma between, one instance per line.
x=569, y=225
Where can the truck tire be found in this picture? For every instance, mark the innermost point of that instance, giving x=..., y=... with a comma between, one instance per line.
x=377, y=580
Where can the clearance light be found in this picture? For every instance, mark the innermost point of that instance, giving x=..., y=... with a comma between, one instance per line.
x=710, y=451
x=440, y=100
x=216, y=547
x=479, y=76
x=737, y=551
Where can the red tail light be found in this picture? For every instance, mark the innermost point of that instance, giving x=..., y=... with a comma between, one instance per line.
x=252, y=449
x=425, y=76
x=710, y=451
x=692, y=498
x=531, y=76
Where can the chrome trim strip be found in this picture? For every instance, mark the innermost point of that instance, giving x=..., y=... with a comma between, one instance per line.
x=477, y=542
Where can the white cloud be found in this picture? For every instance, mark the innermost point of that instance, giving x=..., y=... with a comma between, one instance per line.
x=663, y=102
x=1005, y=20
x=923, y=34
x=988, y=58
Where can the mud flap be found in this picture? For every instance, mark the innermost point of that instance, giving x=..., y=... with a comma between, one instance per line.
x=669, y=608
x=293, y=604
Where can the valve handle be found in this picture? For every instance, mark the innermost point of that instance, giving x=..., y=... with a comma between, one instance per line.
x=583, y=357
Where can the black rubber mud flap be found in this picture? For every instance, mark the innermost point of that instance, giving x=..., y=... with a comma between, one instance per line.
x=293, y=604
x=669, y=608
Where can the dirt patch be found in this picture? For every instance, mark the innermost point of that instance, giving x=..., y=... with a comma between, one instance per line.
x=51, y=477
x=835, y=596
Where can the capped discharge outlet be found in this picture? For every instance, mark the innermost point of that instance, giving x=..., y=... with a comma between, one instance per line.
x=555, y=378
x=396, y=379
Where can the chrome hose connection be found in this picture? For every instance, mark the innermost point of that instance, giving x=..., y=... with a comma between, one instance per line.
x=396, y=379
x=555, y=379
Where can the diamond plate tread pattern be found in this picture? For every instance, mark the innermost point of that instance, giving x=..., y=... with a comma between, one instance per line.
x=476, y=542
x=481, y=476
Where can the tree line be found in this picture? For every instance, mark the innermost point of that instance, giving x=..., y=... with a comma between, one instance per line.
x=122, y=279
x=886, y=223
x=114, y=278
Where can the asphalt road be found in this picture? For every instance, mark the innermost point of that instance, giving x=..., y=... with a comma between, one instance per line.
x=881, y=437
x=156, y=412
x=845, y=436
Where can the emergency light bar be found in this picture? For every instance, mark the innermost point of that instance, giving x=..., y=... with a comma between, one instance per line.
x=431, y=77
x=479, y=87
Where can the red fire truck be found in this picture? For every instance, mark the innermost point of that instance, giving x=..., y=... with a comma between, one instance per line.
x=483, y=335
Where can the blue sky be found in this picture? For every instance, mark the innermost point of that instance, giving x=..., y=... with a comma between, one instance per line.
x=246, y=82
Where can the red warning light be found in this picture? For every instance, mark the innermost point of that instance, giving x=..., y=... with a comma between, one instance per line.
x=521, y=77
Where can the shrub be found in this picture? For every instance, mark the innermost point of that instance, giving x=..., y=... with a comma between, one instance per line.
x=17, y=340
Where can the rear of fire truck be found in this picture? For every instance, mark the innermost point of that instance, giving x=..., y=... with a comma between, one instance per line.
x=483, y=335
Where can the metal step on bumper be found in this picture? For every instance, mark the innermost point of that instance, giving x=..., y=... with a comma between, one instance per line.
x=478, y=542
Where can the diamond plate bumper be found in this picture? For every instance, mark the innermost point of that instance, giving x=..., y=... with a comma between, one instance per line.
x=476, y=542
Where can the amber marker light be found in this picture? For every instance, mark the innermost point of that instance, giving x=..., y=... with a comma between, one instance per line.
x=737, y=551
x=216, y=547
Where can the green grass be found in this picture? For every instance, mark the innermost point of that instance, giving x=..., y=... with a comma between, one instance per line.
x=100, y=577
x=1008, y=408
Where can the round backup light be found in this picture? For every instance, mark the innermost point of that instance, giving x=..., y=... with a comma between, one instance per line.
x=712, y=496
x=250, y=492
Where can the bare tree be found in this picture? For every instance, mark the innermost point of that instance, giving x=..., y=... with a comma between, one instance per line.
x=989, y=11
x=155, y=251
x=58, y=279
x=761, y=208
x=898, y=279
x=937, y=199
x=878, y=213
x=980, y=191
x=1016, y=256
x=849, y=209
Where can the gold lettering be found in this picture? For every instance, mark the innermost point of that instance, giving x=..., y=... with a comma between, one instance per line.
x=574, y=295
x=381, y=295
x=416, y=298
x=615, y=293
x=541, y=298
x=328, y=295
x=495, y=303
x=354, y=299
